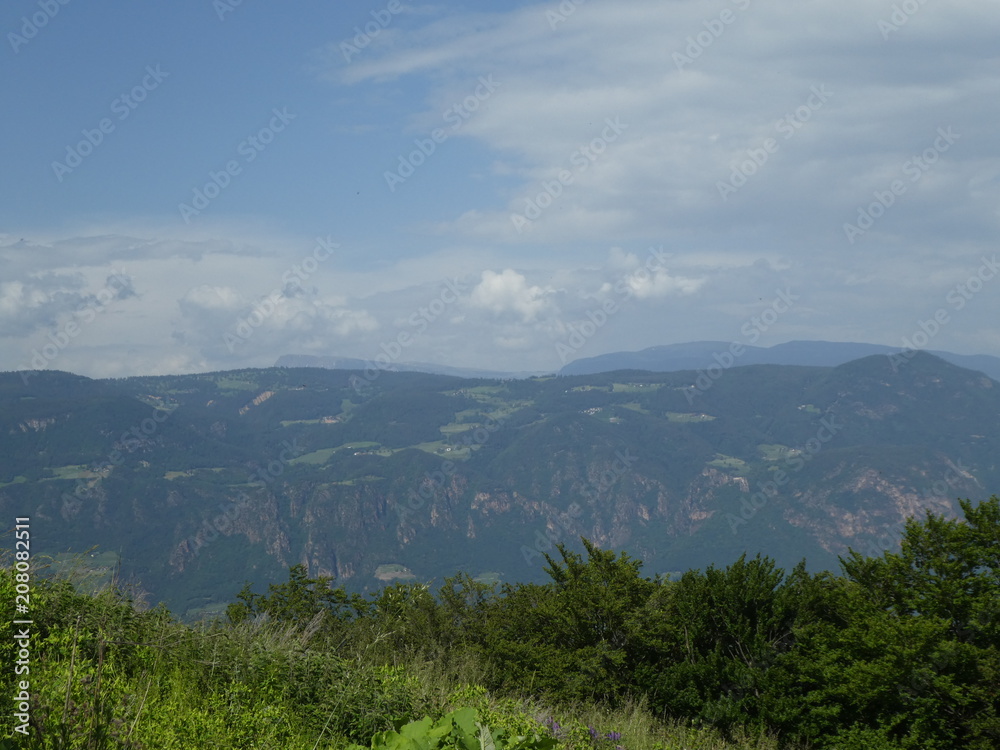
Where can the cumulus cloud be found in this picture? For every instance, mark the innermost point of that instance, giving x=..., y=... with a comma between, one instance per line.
x=22, y=303
x=646, y=279
x=42, y=300
x=509, y=292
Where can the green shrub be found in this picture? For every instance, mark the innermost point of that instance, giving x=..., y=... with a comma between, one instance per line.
x=458, y=730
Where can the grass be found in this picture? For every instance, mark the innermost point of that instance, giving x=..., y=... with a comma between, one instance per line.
x=445, y=449
x=316, y=457
x=673, y=416
x=351, y=482
x=71, y=472
x=634, y=406
x=90, y=572
x=394, y=572
x=323, y=455
x=728, y=462
x=487, y=394
x=235, y=384
x=448, y=682
x=774, y=451
x=635, y=387
x=437, y=448
x=455, y=428
x=640, y=730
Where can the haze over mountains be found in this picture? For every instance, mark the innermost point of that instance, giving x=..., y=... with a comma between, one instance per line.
x=695, y=355
x=699, y=355
x=352, y=363
x=199, y=482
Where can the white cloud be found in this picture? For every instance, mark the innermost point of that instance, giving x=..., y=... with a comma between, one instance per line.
x=508, y=291
x=209, y=297
x=15, y=297
x=659, y=283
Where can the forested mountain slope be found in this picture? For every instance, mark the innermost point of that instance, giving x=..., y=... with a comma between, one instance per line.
x=199, y=482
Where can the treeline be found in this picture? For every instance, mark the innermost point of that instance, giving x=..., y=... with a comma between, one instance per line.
x=899, y=651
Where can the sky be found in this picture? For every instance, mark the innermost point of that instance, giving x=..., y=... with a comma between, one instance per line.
x=205, y=185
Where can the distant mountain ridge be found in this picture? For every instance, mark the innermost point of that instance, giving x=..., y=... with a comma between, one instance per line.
x=351, y=363
x=694, y=355
x=698, y=355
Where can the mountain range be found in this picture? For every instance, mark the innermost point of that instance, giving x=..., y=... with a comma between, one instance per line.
x=700, y=355
x=352, y=363
x=694, y=355
x=193, y=484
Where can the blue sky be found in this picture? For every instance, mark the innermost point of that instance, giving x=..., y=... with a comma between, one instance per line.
x=844, y=153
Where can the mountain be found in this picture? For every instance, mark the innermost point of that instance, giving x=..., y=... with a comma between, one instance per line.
x=348, y=363
x=700, y=355
x=197, y=483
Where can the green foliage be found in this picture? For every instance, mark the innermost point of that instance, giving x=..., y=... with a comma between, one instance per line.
x=899, y=653
x=570, y=639
x=914, y=651
x=458, y=730
x=711, y=638
x=300, y=600
x=505, y=714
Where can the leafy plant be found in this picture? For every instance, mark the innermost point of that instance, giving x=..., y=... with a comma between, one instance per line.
x=458, y=730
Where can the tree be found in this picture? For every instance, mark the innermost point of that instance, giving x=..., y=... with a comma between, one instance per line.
x=298, y=601
x=711, y=638
x=573, y=638
x=910, y=653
